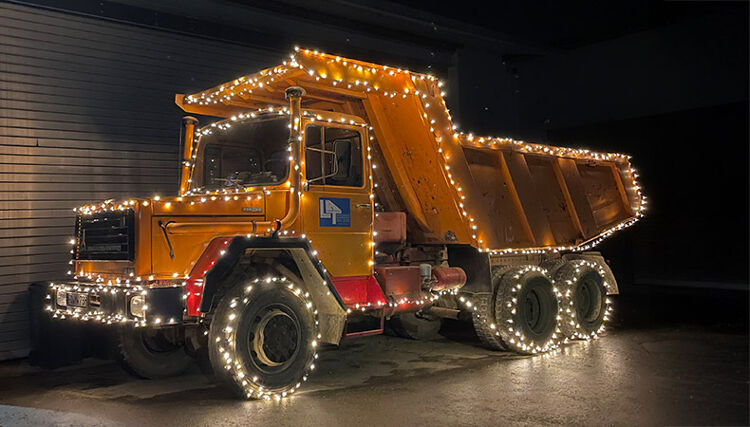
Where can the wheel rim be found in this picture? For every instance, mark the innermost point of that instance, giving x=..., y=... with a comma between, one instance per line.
x=539, y=308
x=274, y=339
x=588, y=300
x=533, y=315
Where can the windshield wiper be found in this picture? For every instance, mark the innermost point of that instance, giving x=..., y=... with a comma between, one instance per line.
x=236, y=183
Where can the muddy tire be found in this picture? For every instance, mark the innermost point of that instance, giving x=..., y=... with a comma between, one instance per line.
x=149, y=353
x=610, y=283
x=585, y=305
x=483, y=317
x=263, y=339
x=552, y=265
x=416, y=326
x=526, y=311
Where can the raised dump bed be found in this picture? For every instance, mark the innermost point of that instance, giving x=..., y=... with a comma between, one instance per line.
x=496, y=194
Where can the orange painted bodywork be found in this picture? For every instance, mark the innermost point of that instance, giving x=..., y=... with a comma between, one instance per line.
x=496, y=195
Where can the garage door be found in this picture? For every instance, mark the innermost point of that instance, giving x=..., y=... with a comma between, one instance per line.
x=86, y=113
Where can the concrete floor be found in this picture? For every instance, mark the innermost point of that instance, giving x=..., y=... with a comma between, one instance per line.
x=665, y=373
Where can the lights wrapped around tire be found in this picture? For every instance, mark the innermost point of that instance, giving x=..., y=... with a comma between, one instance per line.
x=526, y=317
x=523, y=328
x=251, y=363
x=585, y=305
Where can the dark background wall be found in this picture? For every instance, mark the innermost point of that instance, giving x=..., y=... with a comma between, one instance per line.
x=666, y=83
x=86, y=107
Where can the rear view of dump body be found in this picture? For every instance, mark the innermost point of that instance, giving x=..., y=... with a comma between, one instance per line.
x=545, y=200
x=498, y=195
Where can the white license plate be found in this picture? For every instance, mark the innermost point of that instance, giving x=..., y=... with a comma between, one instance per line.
x=76, y=299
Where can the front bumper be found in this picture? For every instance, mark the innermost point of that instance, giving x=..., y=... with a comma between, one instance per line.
x=109, y=304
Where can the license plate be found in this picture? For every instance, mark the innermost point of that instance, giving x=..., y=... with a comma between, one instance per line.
x=76, y=299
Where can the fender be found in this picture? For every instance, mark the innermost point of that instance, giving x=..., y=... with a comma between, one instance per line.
x=222, y=254
x=476, y=265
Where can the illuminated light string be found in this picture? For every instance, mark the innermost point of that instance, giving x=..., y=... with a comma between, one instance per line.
x=222, y=194
x=226, y=93
x=512, y=336
x=245, y=84
x=224, y=125
x=125, y=286
x=93, y=315
x=240, y=86
x=107, y=206
x=226, y=342
x=104, y=280
x=569, y=311
x=532, y=148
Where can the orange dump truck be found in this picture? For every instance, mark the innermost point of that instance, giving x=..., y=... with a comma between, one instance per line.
x=335, y=197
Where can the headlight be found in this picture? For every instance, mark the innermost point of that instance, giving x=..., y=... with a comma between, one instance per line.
x=138, y=306
x=61, y=298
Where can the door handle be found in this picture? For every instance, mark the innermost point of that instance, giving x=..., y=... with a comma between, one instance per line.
x=364, y=205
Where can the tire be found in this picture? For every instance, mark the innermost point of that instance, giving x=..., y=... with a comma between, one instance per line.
x=263, y=339
x=416, y=326
x=552, y=265
x=148, y=353
x=483, y=316
x=610, y=283
x=586, y=306
x=526, y=309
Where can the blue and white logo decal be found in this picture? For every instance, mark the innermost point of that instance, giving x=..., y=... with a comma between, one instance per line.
x=334, y=212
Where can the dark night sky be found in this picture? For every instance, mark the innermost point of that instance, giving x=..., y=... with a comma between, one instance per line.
x=563, y=24
x=684, y=119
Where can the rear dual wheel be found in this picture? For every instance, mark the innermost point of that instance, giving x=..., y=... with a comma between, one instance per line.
x=585, y=305
x=522, y=313
x=416, y=326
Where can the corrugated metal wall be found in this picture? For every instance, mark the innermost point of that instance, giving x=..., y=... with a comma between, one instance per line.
x=86, y=113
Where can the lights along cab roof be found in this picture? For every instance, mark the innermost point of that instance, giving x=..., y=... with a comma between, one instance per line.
x=460, y=188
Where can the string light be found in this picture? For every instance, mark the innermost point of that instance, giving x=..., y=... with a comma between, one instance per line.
x=513, y=336
x=90, y=313
x=567, y=277
x=389, y=82
x=426, y=89
x=226, y=342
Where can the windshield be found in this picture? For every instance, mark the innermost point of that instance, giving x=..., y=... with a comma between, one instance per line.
x=249, y=153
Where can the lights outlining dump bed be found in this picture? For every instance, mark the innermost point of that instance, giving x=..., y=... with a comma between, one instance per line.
x=370, y=77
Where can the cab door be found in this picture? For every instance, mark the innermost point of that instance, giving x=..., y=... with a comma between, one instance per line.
x=337, y=210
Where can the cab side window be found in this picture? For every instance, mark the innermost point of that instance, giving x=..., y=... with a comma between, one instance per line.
x=333, y=156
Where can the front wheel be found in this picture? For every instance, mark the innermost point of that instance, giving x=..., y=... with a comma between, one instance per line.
x=152, y=353
x=263, y=339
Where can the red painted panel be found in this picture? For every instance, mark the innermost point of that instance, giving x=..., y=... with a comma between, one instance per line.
x=195, y=281
x=355, y=291
x=359, y=291
x=403, y=285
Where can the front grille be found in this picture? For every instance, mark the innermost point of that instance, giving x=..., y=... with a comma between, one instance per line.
x=106, y=236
